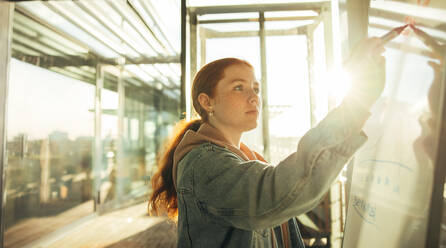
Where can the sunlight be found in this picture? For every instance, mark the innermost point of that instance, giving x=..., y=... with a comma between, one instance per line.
x=338, y=83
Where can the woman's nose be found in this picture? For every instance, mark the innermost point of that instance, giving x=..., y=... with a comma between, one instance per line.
x=254, y=97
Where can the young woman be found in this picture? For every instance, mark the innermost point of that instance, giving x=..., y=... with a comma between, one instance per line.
x=224, y=194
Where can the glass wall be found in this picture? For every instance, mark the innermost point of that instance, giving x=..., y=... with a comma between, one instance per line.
x=393, y=173
x=49, y=149
x=135, y=122
x=50, y=171
x=60, y=166
x=288, y=94
x=109, y=137
x=287, y=76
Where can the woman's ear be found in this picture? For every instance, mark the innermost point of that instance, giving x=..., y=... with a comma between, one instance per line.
x=205, y=102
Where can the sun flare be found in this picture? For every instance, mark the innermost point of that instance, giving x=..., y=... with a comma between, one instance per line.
x=338, y=83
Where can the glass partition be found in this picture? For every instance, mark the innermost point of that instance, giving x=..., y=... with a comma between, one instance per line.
x=57, y=160
x=288, y=94
x=109, y=136
x=393, y=172
x=49, y=147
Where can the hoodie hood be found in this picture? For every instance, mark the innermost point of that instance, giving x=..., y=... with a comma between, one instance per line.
x=207, y=133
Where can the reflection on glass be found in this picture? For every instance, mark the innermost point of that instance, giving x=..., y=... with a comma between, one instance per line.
x=49, y=149
x=129, y=158
x=393, y=173
x=109, y=134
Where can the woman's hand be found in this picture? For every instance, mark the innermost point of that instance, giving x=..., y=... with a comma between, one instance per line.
x=366, y=67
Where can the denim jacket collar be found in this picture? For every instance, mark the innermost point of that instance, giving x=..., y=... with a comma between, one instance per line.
x=208, y=133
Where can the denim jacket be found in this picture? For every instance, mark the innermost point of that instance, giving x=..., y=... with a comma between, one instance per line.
x=226, y=201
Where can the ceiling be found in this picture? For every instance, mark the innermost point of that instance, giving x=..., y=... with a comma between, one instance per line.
x=72, y=37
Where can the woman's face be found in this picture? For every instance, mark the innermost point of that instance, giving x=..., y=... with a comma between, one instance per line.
x=236, y=101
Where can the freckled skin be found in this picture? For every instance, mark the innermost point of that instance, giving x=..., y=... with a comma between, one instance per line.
x=235, y=96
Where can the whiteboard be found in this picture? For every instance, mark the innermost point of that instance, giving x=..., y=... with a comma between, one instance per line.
x=392, y=175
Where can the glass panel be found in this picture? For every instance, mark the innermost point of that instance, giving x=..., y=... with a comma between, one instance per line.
x=241, y=2
x=49, y=146
x=134, y=149
x=129, y=160
x=320, y=71
x=109, y=133
x=169, y=21
x=147, y=13
x=288, y=93
x=393, y=172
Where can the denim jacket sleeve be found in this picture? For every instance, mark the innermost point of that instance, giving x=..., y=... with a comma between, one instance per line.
x=253, y=195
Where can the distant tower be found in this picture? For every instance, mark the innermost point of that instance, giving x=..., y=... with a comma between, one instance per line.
x=44, y=171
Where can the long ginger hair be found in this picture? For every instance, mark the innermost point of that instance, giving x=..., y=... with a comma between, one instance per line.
x=164, y=196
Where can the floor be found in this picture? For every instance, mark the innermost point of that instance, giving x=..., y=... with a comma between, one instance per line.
x=130, y=227
x=31, y=229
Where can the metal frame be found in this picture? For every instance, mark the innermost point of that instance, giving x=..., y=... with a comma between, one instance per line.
x=97, y=159
x=6, y=14
x=329, y=54
x=201, y=10
x=357, y=13
x=203, y=43
x=268, y=19
x=292, y=31
x=148, y=8
x=436, y=204
x=264, y=85
x=324, y=11
x=193, y=44
x=310, y=63
x=358, y=21
x=120, y=166
x=195, y=11
x=183, y=111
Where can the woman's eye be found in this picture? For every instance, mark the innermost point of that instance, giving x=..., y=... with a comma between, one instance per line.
x=238, y=87
x=257, y=90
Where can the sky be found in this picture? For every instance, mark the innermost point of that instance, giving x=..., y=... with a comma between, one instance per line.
x=41, y=101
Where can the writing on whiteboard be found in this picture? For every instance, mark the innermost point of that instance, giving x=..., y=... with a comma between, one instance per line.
x=365, y=209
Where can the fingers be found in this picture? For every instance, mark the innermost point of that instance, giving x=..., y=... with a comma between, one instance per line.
x=434, y=65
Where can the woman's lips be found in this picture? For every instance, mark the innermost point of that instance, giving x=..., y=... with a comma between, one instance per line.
x=255, y=111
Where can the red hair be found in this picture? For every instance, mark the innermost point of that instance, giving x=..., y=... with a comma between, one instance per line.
x=164, y=195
